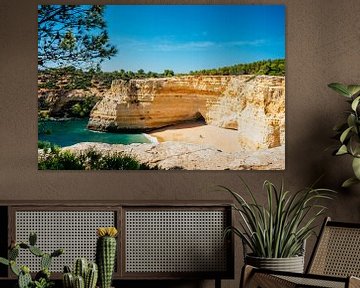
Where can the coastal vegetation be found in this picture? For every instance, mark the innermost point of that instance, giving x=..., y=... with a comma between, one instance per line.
x=70, y=78
x=270, y=67
x=53, y=158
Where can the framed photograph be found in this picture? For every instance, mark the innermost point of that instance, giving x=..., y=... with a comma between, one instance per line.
x=163, y=87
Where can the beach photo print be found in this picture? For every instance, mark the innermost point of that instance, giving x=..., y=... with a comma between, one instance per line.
x=161, y=87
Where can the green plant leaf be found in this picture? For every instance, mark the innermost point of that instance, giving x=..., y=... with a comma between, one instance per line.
x=342, y=150
x=345, y=134
x=355, y=103
x=349, y=182
x=351, y=120
x=353, y=90
x=4, y=261
x=353, y=145
x=340, y=88
x=356, y=167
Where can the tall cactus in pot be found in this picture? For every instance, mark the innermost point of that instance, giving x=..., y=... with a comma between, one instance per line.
x=106, y=254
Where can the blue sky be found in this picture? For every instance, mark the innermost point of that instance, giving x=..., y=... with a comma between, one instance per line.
x=193, y=37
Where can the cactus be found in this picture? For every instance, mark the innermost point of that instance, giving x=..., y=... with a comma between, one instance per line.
x=24, y=278
x=91, y=276
x=32, y=239
x=79, y=282
x=80, y=268
x=4, y=261
x=45, y=261
x=57, y=252
x=67, y=269
x=13, y=253
x=14, y=268
x=105, y=255
x=23, y=273
x=36, y=251
x=68, y=280
x=87, y=272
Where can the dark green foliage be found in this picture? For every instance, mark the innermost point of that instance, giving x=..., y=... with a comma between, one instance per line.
x=42, y=283
x=83, y=109
x=44, y=273
x=348, y=132
x=117, y=161
x=266, y=67
x=72, y=35
x=55, y=159
x=69, y=78
x=45, y=145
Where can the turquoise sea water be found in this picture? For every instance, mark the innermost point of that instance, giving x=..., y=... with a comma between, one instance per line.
x=69, y=132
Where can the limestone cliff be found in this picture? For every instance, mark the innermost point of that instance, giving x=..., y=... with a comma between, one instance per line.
x=253, y=105
x=57, y=94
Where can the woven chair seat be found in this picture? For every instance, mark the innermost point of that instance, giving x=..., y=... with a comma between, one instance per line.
x=335, y=262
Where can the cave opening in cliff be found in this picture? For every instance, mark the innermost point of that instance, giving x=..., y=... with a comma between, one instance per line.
x=200, y=118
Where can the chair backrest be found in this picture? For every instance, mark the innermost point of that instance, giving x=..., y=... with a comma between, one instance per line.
x=337, y=251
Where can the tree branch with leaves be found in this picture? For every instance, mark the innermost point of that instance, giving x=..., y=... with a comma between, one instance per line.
x=72, y=35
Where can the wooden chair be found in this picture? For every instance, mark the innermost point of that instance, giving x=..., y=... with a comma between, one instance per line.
x=335, y=262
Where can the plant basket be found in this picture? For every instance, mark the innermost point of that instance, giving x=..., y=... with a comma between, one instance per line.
x=291, y=264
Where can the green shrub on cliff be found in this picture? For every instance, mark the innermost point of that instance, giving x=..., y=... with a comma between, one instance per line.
x=274, y=67
x=53, y=158
x=83, y=109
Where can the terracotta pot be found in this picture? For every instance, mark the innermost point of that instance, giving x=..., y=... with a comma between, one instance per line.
x=291, y=264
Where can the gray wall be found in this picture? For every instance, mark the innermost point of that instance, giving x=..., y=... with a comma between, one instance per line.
x=323, y=46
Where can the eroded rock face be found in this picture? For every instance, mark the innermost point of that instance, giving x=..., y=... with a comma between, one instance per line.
x=176, y=155
x=255, y=106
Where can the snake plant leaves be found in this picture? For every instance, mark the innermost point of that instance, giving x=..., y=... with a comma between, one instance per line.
x=279, y=228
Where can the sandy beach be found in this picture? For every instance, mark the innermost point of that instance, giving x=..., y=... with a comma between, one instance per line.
x=198, y=133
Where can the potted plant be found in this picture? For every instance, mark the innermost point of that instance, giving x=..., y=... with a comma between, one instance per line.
x=348, y=132
x=42, y=278
x=276, y=233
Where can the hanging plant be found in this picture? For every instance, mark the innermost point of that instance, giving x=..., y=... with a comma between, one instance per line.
x=348, y=132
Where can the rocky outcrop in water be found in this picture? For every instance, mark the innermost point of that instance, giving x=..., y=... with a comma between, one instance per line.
x=253, y=105
x=176, y=155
